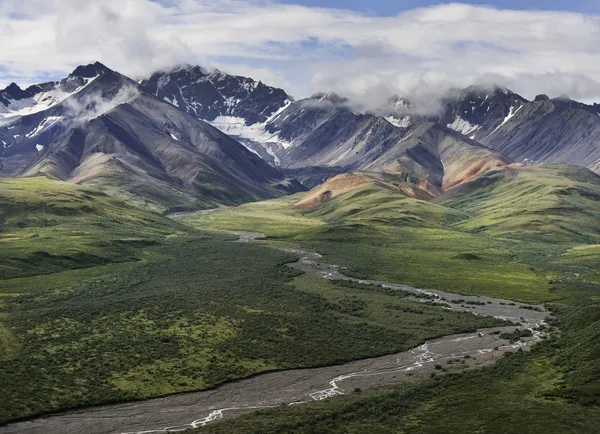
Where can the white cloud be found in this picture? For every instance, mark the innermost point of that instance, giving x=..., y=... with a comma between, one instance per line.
x=309, y=49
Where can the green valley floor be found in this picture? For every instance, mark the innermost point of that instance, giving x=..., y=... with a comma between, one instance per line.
x=176, y=310
x=498, y=248
x=102, y=303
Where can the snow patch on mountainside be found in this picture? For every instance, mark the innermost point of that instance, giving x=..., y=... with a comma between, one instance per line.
x=405, y=122
x=463, y=126
x=173, y=101
x=45, y=124
x=256, y=133
x=511, y=113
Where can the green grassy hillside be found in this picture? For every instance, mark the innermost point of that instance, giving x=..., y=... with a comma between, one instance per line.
x=372, y=203
x=49, y=226
x=376, y=232
x=553, y=203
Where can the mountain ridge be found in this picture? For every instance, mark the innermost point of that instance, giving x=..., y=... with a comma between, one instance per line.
x=297, y=133
x=111, y=134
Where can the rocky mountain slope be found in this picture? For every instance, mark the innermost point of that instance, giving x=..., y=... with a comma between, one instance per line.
x=440, y=156
x=214, y=95
x=325, y=131
x=100, y=127
x=544, y=130
x=238, y=106
x=109, y=133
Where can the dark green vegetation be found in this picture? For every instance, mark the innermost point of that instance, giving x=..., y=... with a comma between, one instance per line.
x=520, y=393
x=178, y=310
x=530, y=235
x=125, y=304
x=516, y=335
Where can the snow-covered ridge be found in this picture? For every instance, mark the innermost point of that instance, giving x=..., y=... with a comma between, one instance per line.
x=40, y=101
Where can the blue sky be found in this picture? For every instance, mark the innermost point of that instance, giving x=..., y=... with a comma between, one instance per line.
x=392, y=7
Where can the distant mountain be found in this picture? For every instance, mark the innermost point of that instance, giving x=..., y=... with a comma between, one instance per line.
x=99, y=127
x=477, y=112
x=545, y=130
x=15, y=101
x=32, y=119
x=214, y=95
x=326, y=131
x=321, y=136
x=440, y=156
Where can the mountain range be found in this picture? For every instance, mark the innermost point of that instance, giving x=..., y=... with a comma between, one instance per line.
x=324, y=131
x=189, y=138
x=98, y=127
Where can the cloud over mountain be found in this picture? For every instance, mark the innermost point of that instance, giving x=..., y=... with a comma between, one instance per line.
x=307, y=48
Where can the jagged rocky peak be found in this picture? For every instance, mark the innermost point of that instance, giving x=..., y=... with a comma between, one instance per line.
x=98, y=126
x=564, y=102
x=44, y=112
x=80, y=76
x=215, y=96
x=329, y=97
x=478, y=96
x=478, y=110
x=90, y=71
x=13, y=91
x=163, y=77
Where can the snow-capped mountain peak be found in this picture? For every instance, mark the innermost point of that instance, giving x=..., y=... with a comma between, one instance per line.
x=41, y=113
x=15, y=102
x=209, y=95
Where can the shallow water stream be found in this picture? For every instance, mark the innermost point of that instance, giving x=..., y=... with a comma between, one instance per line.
x=177, y=413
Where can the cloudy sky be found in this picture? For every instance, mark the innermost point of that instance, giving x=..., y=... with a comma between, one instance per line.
x=362, y=48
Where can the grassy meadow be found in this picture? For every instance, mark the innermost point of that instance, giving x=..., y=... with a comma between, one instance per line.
x=380, y=234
